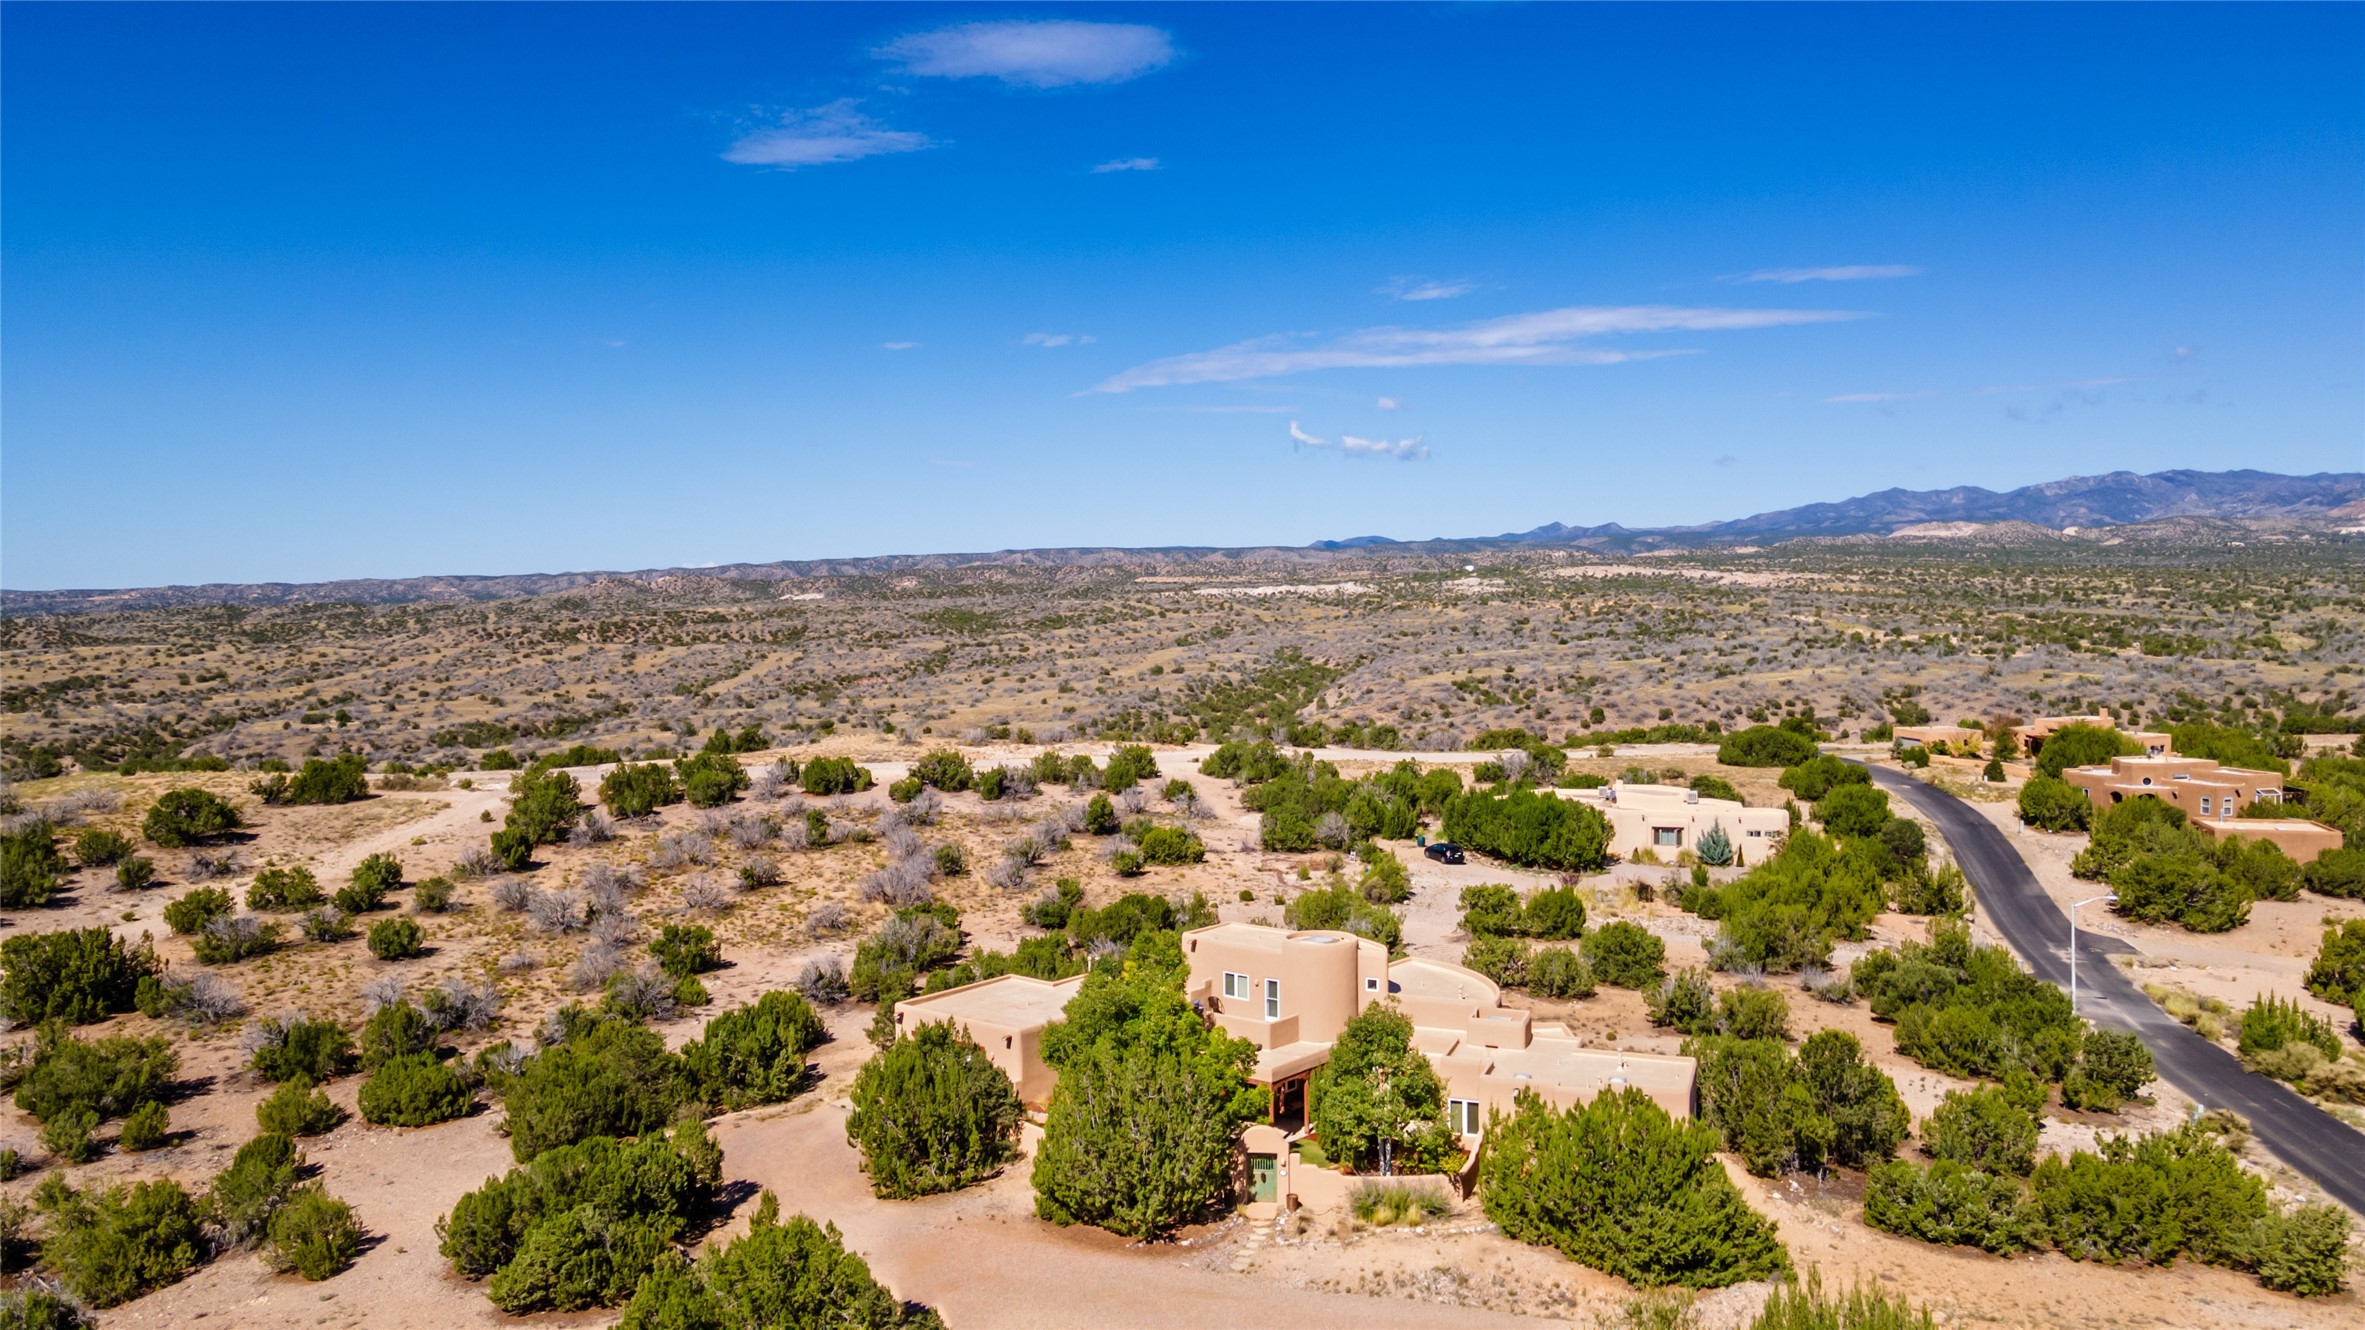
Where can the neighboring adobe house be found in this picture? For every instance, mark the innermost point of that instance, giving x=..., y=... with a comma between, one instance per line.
x=2032, y=736
x=1669, y=819
x=2212, y=797
x=1957, y=740
x=1291, y=993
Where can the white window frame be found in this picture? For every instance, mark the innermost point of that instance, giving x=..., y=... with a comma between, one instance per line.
x=1237, y=985
x=2205, y=805
x=1462, y=1115
x=1371, y=985
x=1667, y=838
x=1272, y=999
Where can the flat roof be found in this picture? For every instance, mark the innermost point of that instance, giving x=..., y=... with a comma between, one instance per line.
x=1565, y=1062
x=1012, y=1001
x=1441, y=981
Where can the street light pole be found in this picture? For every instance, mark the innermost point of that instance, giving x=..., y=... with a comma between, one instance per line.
x=2113, y=898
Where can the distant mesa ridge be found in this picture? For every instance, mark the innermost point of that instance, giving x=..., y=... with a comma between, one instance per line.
x=2121, y=498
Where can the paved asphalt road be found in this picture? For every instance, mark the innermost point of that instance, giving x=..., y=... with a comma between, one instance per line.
x=2300, y=1134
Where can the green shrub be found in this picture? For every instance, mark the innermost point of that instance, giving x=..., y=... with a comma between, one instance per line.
x=1826, y=1105
x=2112, y=1068
x=545, y=805
x=1789, y=910
x=2151, y=1199
x=395, y=1030
x=1385, y=881
x=1378, y=1089
x=1150, y=1102
x=2259, y=868
x=932, y=1114
x=260, y=1177
x=1685, y=1002
x=1555, y=914
x=1819, y=775
x=396, y=939
x=316, y=1050
x=2338, y=873
x=96, y=848
x=1625, y=955
x=1342, y=907
x=710, y=780
x=135, y=873
x=110, y=1246
x=433, y=896
x=1950, y=1204
x=37, y=1309
x=1807, y=1307
x=73, y=975
x=607, y=1077
x=581, y=1223
x=1715, y=787
x=1924, y=892
x=1173, y=845
x=1556, y=972
x=374, y=878
x=686, y=949
x=2304, y=1251
x=190, y=913
x=1969, y=1010
x=1492, y=910
x=1854, y=810
x=2050, y=804
x=796, y=1274
x=188, y=817
x=835, y=775
x=2083, y=746
x=414, y=1090
x=277, y=888
x=296, y=1109
x=1502, y=959
x=1618, y=1185
x=2274, y=1022
x=146, y=1128
x=578, y=1258
x=638, y=789
x=68, y=1135
x=906, y=790
x=1751, y=1012
x=313, y=1234
x=1764, y=746
x=1129, y=766
x=31, y=869
x=756, y=1054
x=1529, y=829
x=1986, y=1130
x=946, y=769
x=106, y=1078
x=338, y=780
x=2337, y=975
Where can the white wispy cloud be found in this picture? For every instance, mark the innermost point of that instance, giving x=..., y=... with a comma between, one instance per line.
x=1387, y=404
x=1058, y=339
x=1236, y=410
x=1348, y=445
x=897, y=346
x=1127, y=164
x=1547, y=337
x=1846, y=398
x=1050, y=53
x=1850, y=272
x=833, y=133
x=1423, y=288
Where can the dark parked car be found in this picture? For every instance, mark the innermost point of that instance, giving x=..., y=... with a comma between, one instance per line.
x=1445, y=852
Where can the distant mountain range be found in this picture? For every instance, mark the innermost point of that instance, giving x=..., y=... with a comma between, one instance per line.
x=2118, y=499
x=2121, y=498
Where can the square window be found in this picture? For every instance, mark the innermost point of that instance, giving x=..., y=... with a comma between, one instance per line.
x=1236, y=985
x=1371, y=985
x=1668, y=836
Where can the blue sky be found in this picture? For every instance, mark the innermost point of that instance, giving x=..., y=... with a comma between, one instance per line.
x=302, y=292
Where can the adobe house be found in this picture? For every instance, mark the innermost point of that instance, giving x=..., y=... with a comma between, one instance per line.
x=1958, y=740
x=2212, y=797
x=1670, y=819
x=1291, y=992
x=2031, y=736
